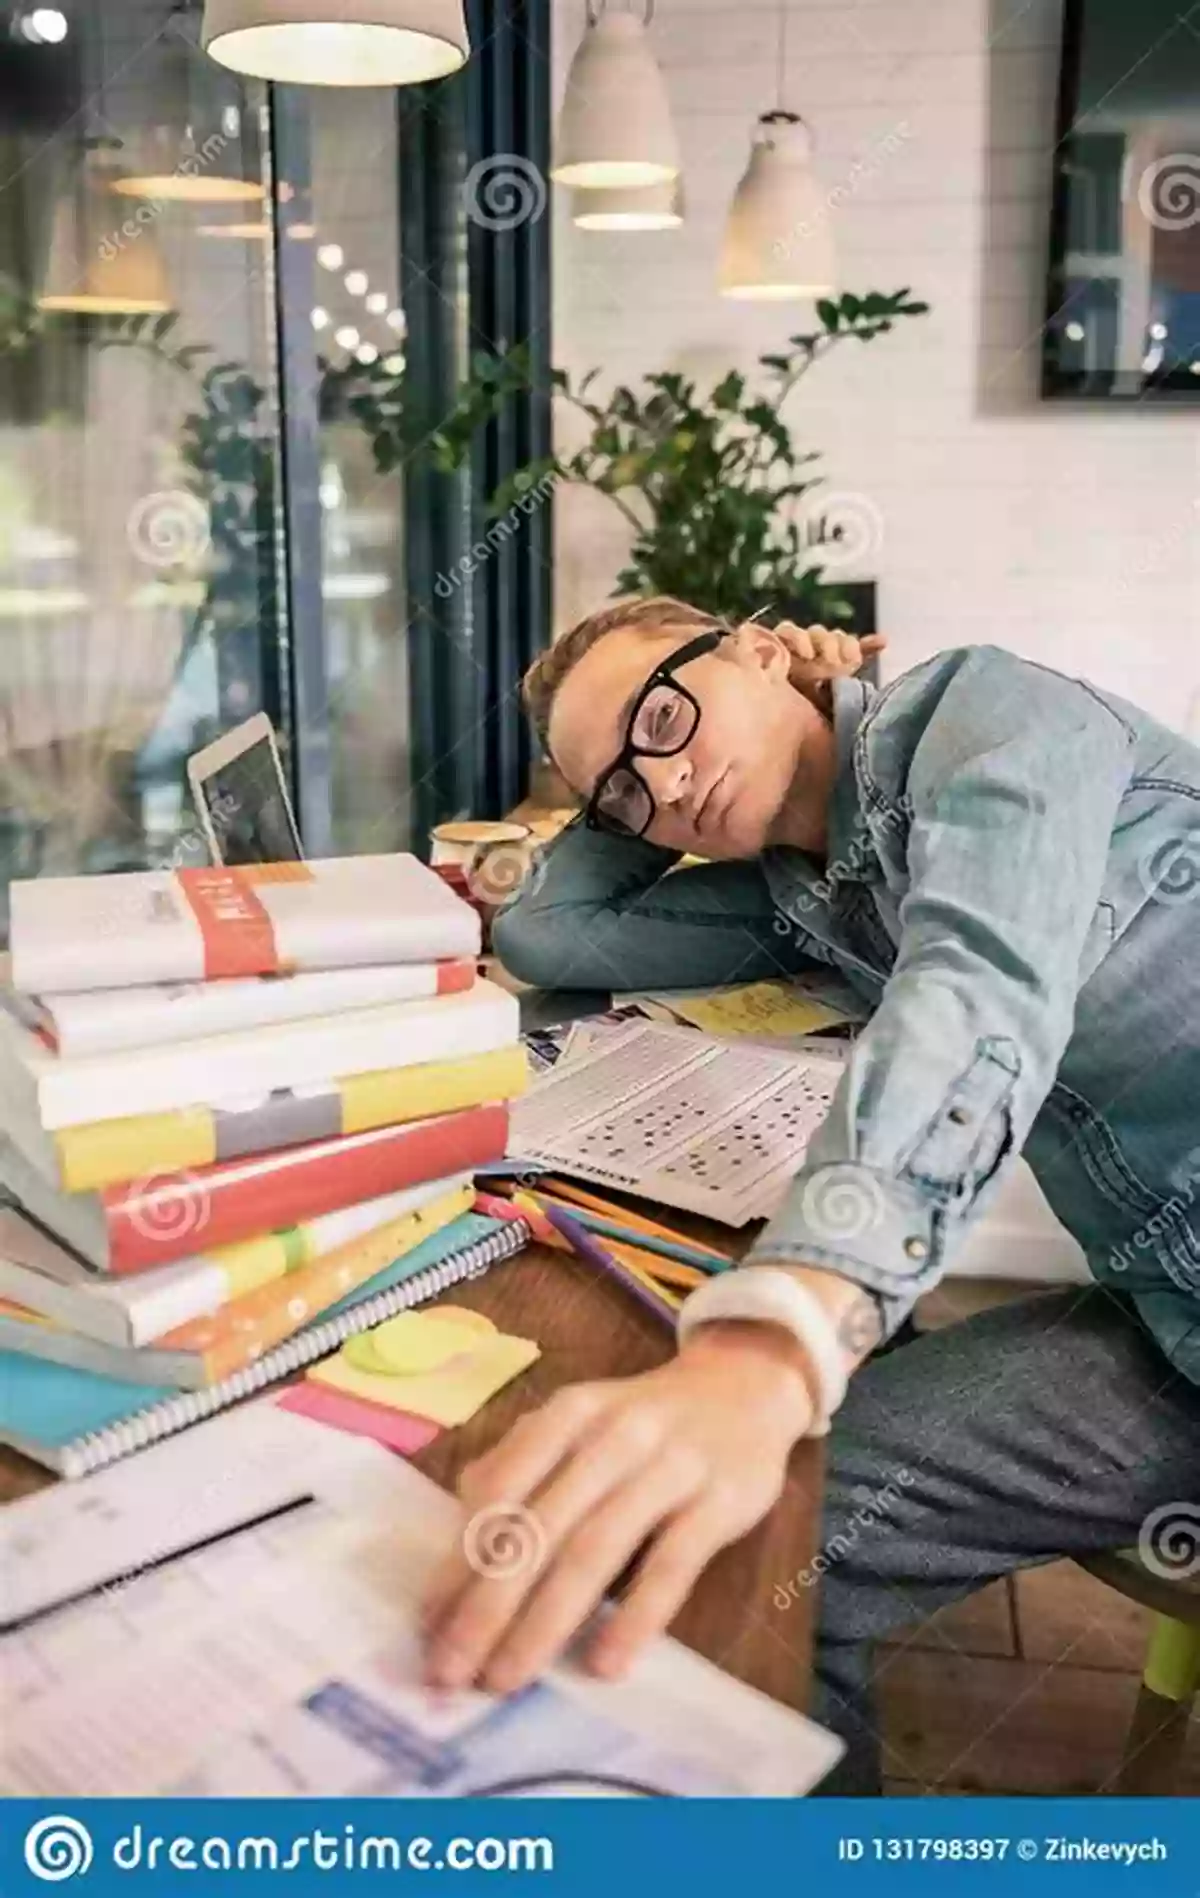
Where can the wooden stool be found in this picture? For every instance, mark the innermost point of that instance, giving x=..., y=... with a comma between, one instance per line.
x=1157, y=1734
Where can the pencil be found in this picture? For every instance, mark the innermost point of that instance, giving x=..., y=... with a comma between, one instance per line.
x=644, y=1268
x=685, y=1250
x=589, y=1248
x=696, y=1267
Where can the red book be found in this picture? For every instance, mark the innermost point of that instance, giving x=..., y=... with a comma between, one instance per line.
x=186, y=1215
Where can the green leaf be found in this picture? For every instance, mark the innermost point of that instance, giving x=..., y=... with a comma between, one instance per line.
x=829, y=314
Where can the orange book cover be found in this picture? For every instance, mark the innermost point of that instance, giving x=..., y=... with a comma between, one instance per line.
x=242, y=1331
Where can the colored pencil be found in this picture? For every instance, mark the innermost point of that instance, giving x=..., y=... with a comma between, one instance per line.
x=672, y=1244
x=640, y=1265
x=589, y=1248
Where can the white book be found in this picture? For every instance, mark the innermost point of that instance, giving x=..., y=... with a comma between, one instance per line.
x=193, y=925
x=98, y=1021
x=41, y=1089
x=130, y=1312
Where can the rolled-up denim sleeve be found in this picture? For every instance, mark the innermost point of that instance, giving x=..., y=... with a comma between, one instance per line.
x=603, y=912
x=1012, y=795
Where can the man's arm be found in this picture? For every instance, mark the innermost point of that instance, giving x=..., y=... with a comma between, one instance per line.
x=603, y=912
x=1014, y=790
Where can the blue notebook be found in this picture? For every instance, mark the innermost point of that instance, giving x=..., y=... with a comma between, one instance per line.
x=75, y=1421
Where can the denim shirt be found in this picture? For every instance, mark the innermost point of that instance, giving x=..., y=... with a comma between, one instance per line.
x=1012, y=881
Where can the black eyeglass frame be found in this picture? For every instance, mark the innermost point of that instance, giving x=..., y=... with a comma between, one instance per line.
x=663, y=674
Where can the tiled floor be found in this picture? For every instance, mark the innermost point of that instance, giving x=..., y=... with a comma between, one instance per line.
x=1028, y=1686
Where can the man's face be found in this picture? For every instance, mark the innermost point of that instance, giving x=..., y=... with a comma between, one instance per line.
x=721, y=794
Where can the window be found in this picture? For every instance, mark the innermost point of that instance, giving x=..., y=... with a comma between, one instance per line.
x=138, y=426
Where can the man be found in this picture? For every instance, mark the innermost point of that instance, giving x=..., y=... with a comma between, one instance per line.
x=1006, y=864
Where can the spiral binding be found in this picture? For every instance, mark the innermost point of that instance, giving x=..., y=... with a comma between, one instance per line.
x=173, y=1414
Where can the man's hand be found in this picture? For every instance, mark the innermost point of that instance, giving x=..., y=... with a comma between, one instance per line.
x=672, y=1465
x=819, y=654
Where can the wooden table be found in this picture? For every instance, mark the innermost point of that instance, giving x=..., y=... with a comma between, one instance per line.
x=589, y=1328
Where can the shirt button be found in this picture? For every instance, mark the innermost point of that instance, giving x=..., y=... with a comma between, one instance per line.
x=916, y=1248
x=960, y=1116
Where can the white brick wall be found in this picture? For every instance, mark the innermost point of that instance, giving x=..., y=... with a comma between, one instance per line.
x=1065, y=532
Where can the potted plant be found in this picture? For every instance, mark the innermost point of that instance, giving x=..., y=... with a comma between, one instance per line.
x=724, y=508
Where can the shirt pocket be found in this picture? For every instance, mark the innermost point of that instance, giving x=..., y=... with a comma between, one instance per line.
x=971, y=1134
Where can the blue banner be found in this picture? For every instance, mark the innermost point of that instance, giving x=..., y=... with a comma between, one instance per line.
x=602, y=1847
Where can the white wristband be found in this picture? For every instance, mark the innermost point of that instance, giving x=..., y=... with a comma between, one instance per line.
x=764, y=1294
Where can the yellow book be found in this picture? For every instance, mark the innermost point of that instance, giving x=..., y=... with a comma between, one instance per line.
x=106, y=1152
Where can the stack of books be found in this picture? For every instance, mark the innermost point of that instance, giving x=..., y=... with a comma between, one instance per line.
x=230, y=1100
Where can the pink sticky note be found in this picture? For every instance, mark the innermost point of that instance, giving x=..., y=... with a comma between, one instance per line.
x=395, y=1429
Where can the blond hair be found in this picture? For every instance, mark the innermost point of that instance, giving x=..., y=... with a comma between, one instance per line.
x=659, y=614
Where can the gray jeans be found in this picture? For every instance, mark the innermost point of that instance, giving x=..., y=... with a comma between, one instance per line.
x=1052, y=1426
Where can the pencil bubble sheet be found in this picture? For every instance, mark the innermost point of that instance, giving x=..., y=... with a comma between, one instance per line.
x=718, y=1128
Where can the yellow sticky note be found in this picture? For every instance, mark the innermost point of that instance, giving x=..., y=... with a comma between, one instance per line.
x=760, y=1008
x=448, y=1396
x=417, y=1341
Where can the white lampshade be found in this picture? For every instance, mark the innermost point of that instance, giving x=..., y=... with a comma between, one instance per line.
x=657, y=207
x=337, y=42
x=779, y=236
x=95, y=267
x=615, y=127
x=186, y=171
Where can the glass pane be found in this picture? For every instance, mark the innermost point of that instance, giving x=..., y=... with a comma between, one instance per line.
x=360, y=336
x=138, y=422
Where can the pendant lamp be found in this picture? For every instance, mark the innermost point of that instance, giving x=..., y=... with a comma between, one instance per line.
x=337, y=42
x=95, y=267
x=778, y=243
x=657, y=207
x=188, y=172
x=615, y=128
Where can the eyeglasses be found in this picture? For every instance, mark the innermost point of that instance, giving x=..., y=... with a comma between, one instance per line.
x=662, y=723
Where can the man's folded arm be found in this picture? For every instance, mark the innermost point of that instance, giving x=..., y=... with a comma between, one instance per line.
x=603, y=912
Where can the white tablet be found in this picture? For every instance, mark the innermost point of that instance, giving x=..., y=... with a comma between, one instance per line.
x=242, y=798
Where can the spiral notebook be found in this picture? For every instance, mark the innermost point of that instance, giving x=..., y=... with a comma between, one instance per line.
x=74, y=1422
